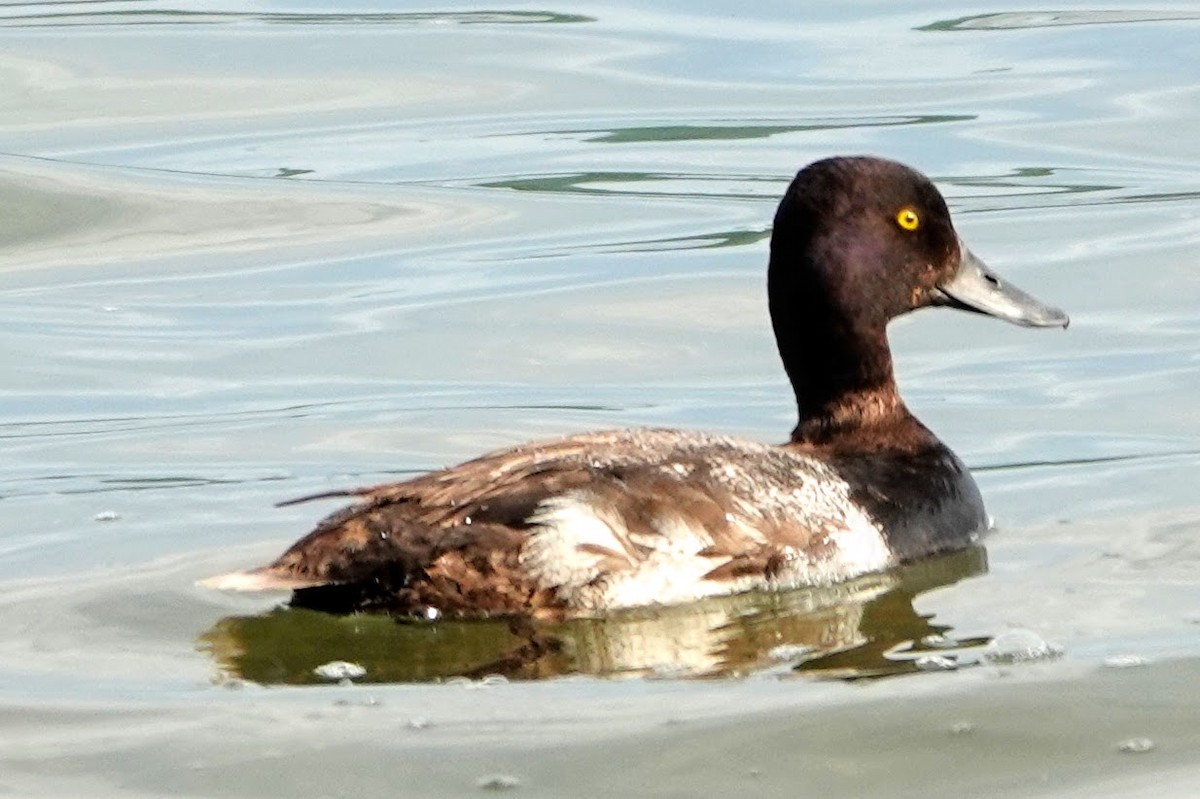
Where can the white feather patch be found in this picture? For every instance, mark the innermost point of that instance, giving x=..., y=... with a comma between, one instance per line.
x=770, y=489
x=553, y=555
x=671, y=572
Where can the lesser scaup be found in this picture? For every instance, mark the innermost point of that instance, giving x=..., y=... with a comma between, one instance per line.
x=616, y=519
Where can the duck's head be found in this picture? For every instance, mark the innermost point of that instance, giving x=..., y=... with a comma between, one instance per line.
x=857, y=242
x=872, y=239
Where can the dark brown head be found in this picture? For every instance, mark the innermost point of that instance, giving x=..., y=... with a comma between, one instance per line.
x=857, y=242
x=868, y=238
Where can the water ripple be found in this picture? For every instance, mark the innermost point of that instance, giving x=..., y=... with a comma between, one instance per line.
x=139, y=15
x=1055, y=19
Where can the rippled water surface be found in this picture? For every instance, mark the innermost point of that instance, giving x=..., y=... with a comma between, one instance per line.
x=257, y=250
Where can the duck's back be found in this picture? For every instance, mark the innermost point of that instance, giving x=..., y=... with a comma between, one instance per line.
x=623, y=518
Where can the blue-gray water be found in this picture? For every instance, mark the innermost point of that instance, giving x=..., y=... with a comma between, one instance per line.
x=255, y=250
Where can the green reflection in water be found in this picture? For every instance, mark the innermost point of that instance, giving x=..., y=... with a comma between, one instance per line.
x=1054, y=19
x=675, y=133
x=616, y=183
x=863, y=628
x=147, y=16
x=1021, y=188
x=1030, y=192
x=690, y=133
x=700, y=241
x=576, y=182
x=1026, y=178
x=704, y=241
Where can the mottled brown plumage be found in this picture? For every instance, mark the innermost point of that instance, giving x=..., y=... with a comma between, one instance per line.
x=453, y=539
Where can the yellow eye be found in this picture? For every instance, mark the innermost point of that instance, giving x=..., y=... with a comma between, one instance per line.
x=907, y=218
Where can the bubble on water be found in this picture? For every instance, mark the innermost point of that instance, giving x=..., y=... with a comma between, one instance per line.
x=1135, y=745
x=107, y=516
x=338, y=670
x=1125, y=661
x=935, y=663
x=493, y=679
x=939, y=641
x=1020, y=646
x=498, y=782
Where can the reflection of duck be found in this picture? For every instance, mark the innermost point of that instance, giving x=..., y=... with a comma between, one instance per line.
x=865, y=627
x=621, y=519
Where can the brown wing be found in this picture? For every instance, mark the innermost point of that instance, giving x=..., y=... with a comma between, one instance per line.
x=453, y=539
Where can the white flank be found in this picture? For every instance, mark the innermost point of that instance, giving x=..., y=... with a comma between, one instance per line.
x=770, y=489
x=853, y=542
x=673, y=572
x=553, y=556
x=860, y=544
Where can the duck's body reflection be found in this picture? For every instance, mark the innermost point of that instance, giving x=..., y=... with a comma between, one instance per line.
x=863, y=628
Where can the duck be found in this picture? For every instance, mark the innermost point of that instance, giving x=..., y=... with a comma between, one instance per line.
x=599, y=522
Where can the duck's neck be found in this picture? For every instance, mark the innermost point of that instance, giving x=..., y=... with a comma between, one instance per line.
x=841, y=371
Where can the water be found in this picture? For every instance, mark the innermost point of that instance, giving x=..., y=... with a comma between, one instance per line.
x=257, y=250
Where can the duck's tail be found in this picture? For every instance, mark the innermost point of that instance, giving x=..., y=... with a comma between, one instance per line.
x=264, y=579
x=340, y=493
